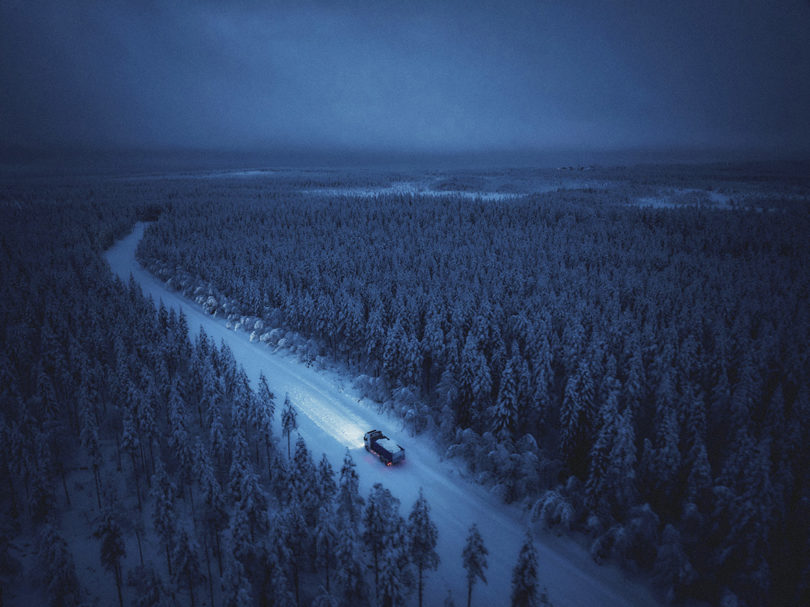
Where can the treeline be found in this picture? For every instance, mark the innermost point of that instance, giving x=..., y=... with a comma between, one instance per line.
x=637, y=374
x=117, y=427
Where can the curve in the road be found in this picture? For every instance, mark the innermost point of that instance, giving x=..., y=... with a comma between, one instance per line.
x=330, y=420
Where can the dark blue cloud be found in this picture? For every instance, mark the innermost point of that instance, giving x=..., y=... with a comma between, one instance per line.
x=405, y=76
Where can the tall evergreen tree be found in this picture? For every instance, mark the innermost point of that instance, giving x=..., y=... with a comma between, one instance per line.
x=326, y=537
x=422, y=538
x=58, y=568
x=576, y=419
x=394, y=574
x=474, y=559
x=350, y=573
x=235, y=585
x=349, y=501
x=506, y=405
x=381, y=519
x=186, y=563
x=327, y=488
x=163, y=514
x=525, y=587
x=112, y=548
x=289, y=421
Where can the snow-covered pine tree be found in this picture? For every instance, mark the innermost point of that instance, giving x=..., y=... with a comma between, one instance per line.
x=58, y=568
x=89, y=439
x=186, y=561
x=525, y=586
x=380, y=519
x=505, y=416
x=326, y=537
x=289, y=421
x=394, y=575
x=265, y=403
x=214, y=513
x=673, y=572
x=474, y=559
x=350, y=569
x=393, y=352
x=422, y=538
x=576, y=420
x=163, y=514
x=305, y=482
x=112, y=548
x=349, y=501
x=295, y=533
x=327, y=488
x=131, y=444
x=235, y=585
x=149, y=589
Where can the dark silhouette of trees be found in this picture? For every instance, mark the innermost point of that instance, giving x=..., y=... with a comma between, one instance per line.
x=289, y=421
x=525, y=585
x=474, y=559
x=112, y=548
x=422, y=537
x=636, y=372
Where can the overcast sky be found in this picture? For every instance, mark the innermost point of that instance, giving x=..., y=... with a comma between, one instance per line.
x=408, y=76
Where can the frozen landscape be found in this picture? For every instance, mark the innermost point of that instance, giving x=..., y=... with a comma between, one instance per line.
x=626, y=443
x=333, y=419
x=422, y=304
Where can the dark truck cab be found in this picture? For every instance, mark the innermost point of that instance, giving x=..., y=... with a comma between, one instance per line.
x=383, y=447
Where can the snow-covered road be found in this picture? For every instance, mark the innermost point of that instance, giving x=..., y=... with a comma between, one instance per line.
x=331, y=419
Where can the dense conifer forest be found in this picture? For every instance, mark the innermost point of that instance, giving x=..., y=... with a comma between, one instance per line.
x=138, y=465
x=636, y=374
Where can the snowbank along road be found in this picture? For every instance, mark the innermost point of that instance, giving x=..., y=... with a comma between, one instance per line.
x=331, y=419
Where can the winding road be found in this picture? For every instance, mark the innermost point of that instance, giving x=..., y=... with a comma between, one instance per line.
x=331, y=419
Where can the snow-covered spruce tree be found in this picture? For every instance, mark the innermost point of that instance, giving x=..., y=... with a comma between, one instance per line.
x=610, y=489
x=380, y=520
x=164, y=517
x=89, y=439
x=351, y=567
x=148, y=587
x=131, y=445
x=525, y=586
x=264, y=410
x=58, y=568
x=673, y=572
x=349, y=501
x=474, y=559
x=327, y=488
x=422, y=538
x=187, y=572
x=240, y=463
x=289, y=421
x=235, y=585
x=393, y=352
x=112, y=548
x=296, y=535
x=305, y=482
x=326, y=537
x=42, y=496
x=576, y=417
x=395, y=574
x=505, y=412
x=252, y=501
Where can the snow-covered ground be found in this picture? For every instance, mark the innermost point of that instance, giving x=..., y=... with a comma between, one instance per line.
x=410, y=187
x=683, y=197
x=332, y=419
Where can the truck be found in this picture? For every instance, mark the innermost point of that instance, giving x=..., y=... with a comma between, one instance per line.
x=383, y=447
